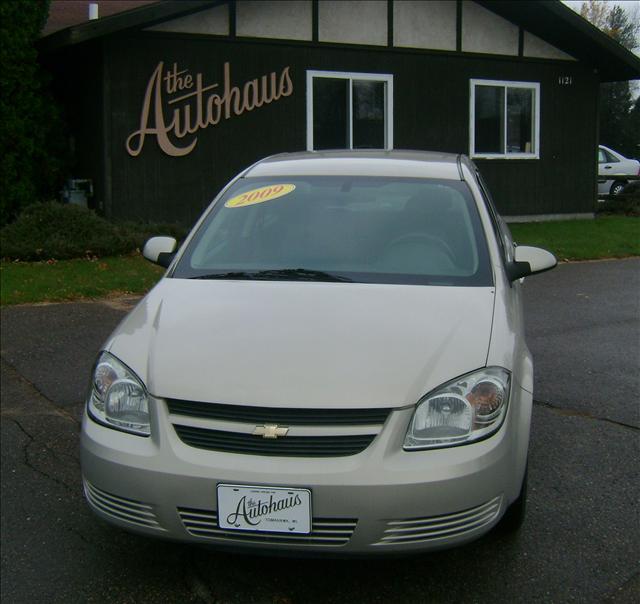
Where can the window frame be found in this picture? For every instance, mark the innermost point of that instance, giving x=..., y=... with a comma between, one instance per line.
x=386, y=78
x=505, y=84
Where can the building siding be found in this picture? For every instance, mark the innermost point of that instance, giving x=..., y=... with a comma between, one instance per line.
x=431, y=102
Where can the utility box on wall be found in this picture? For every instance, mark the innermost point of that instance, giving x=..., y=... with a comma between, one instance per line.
x=77, y=191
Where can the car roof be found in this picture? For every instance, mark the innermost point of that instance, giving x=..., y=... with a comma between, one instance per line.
x=399, y=163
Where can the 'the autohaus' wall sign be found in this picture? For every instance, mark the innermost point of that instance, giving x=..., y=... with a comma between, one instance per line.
x=177, y=106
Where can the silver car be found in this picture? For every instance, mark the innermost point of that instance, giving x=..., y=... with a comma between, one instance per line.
x=333, y=362
x=614, y=170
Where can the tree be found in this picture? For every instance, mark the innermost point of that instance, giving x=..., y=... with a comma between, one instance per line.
x=622, y=28
x=616, y=102
x=29, y=168
x=595, y=12
x=614, y=21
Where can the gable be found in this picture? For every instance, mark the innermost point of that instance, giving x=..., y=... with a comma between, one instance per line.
x=485, y=32
x=416, y=24
x=430, y=25
x=536, y=47
x=213, y=21
x=341, y=22
x=531, y=29
x=284, y=19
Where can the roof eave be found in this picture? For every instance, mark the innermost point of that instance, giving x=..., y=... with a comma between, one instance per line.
x=630, y=70
x=570, y=33
x=145, y=16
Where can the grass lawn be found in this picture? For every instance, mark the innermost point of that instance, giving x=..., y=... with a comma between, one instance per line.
x=604, y=237
x=51, y=281
x=28, y=282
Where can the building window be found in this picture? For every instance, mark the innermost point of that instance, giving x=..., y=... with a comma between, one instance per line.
x=349, y=110
x=504, y=119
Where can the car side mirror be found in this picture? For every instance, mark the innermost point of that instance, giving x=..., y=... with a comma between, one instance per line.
x=160, y=250
x=529, y=261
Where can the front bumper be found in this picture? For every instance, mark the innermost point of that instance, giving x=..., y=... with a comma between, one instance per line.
x=382, y=500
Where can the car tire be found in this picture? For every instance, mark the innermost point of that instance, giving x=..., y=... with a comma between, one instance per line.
x=616, y=188
x=516, y=512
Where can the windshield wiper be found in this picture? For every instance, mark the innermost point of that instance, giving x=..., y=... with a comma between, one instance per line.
x=240, y=275
x=278, y=274
x=299, y=274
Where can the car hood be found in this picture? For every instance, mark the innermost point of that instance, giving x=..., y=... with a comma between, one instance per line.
x=307, y=344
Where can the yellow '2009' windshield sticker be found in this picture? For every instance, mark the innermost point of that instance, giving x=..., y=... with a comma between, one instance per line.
x=259, y=195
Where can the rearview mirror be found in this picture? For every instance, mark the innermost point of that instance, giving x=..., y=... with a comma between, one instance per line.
x=160, y=250
x=529, y=261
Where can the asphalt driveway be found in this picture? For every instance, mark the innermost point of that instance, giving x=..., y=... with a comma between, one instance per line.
x=580, y=542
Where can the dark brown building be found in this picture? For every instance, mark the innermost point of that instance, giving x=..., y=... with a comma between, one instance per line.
x=168, y=101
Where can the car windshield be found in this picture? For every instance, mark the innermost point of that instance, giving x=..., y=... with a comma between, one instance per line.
x=342, y=228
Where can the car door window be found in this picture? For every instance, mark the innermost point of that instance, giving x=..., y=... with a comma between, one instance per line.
x=602, y=158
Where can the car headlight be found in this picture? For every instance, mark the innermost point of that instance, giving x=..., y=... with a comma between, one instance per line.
x=118, y=398
x=465, y=410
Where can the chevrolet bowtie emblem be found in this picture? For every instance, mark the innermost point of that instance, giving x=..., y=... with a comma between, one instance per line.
x=270, y=431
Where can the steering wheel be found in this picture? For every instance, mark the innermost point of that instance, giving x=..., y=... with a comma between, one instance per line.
x=422, y=238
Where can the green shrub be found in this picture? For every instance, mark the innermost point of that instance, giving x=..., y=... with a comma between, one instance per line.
x=627, y=202
x=64, y=231
x=54, y=230
x=135, y=234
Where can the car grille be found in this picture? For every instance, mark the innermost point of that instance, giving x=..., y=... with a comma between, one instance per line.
x=121, y=508
x=324, y=531
x=277, y=415
x=229, y=428
x=301, y=446
x=418, y=530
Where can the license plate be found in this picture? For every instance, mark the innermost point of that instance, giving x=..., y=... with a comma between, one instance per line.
x=264, y=509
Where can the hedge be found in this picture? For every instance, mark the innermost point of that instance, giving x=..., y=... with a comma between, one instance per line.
x=63, y=231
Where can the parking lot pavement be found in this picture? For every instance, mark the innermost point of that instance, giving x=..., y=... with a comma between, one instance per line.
x=54, y=345
x=579, y=543
x=582, y=326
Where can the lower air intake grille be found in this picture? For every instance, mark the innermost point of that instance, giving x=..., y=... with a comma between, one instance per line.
x=418, y=530
x=290, y=446
x=324, y=531
x=121, y=508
